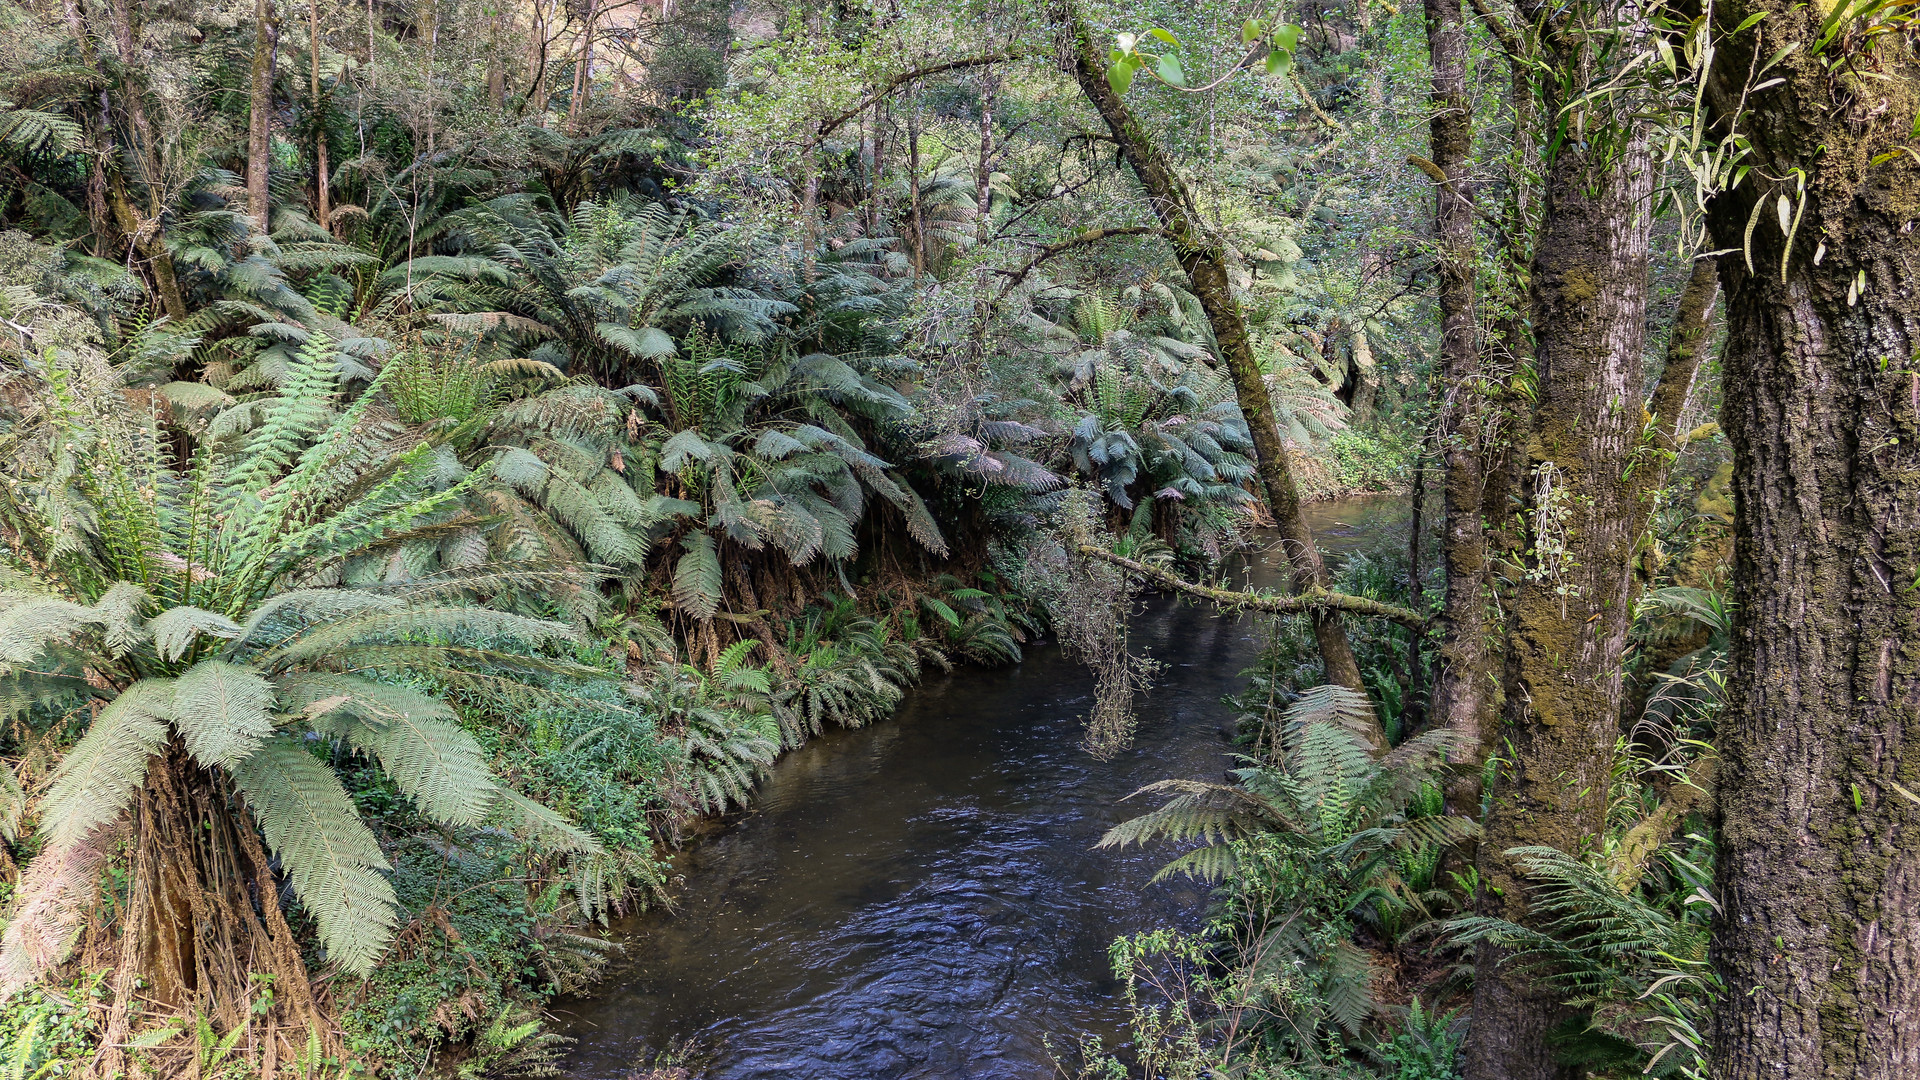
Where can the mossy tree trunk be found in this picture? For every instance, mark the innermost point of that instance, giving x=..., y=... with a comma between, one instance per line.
x=260, y=113
x=1204, y=261
x=1819, y=863
x=1464, y=686
x=1568, y=628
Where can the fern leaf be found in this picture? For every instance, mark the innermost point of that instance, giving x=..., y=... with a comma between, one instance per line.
x=13, y=804
x=697, y=577
x=55, y=896
x=176, y=629
x=546, y=825
x=331, y=858
x=98, y=776
x=222, y=712
x=430, y=758
x=30, y=624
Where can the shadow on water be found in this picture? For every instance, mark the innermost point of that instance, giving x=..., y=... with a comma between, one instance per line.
x=921, y=898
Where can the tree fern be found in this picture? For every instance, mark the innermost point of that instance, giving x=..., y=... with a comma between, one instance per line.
x=331, y=858
x=242, y=643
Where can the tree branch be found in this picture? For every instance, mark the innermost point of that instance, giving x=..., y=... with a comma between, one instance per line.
x=1685, y=343
x=1509, y=42
x=828, y=125
x=1312, y=599
x=1019, y=273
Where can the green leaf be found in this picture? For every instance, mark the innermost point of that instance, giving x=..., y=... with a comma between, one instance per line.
x=329, y=855
x=697, y=578
x=1251, y=31
x=1165, y=36
x=1279, y=61
x=99, y=775
x=1120, y=76
x=222, y=712
x=1169, y=69
x=1286, y=36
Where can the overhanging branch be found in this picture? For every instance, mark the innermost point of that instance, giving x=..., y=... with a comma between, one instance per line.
x=1313, y=599
x=828, y=125
x=1019, y=273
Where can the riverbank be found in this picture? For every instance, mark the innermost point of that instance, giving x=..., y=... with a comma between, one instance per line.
x=921, y=897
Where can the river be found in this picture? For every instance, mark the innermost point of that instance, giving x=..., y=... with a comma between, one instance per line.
x=921, y=898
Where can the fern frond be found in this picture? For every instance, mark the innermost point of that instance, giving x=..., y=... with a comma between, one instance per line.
x=97, y=778
x=550, y=829
x=697, y=577
x=332, y=860
x=176, y=629
x=222, y=712
x=55, y=896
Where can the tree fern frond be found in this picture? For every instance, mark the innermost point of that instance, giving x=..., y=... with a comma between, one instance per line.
x=13, y=804
x=546, y=825
x=332, y=859
x=431, y=759
x=30, y=624
x=1210, y=864
x=222, y=712
x=697, y=577
x=98, y=776
x=56, y=894
x=176, y=629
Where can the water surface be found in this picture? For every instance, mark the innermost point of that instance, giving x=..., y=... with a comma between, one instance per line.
x=921, y=898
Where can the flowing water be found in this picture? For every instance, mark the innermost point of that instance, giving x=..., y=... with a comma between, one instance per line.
x=921, y=898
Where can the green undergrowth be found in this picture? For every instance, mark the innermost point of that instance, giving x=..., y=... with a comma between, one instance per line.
x=1374, y=460
x=494, y=927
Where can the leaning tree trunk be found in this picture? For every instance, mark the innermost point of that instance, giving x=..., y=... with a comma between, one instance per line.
x=1201, y=256
x=1568, y=628
x=1819, y=868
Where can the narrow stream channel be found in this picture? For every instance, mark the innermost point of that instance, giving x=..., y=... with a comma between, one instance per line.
x=921, y=898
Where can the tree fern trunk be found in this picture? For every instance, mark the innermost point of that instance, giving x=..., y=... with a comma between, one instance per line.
x=202, y=919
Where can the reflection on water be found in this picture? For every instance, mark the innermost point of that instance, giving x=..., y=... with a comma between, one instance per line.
x=920, y=898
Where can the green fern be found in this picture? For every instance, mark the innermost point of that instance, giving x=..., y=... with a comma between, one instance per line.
x=225, y=611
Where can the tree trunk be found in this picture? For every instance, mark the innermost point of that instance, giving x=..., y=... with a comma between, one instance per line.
x=583, y=70
x=322, y=212
x=913, y=188
x=1568, y=630
x=1201, y=256
x=1463, y=692
x=1819, y=865
x=260, y=113
x=202, y=919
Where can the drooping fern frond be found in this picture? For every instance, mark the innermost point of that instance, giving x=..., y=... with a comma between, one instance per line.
x=332, y=859
x=97, y=778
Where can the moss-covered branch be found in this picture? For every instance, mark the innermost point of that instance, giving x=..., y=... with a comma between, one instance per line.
x=1313, y=599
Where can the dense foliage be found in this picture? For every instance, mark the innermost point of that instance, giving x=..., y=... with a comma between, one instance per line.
x=448, y=448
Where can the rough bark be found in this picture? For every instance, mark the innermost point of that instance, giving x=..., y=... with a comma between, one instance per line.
x=1464, y=686
x=1819, y=861
x=260, y=113
x=1568, y=629
x=202, y=919
x=1202, y=257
